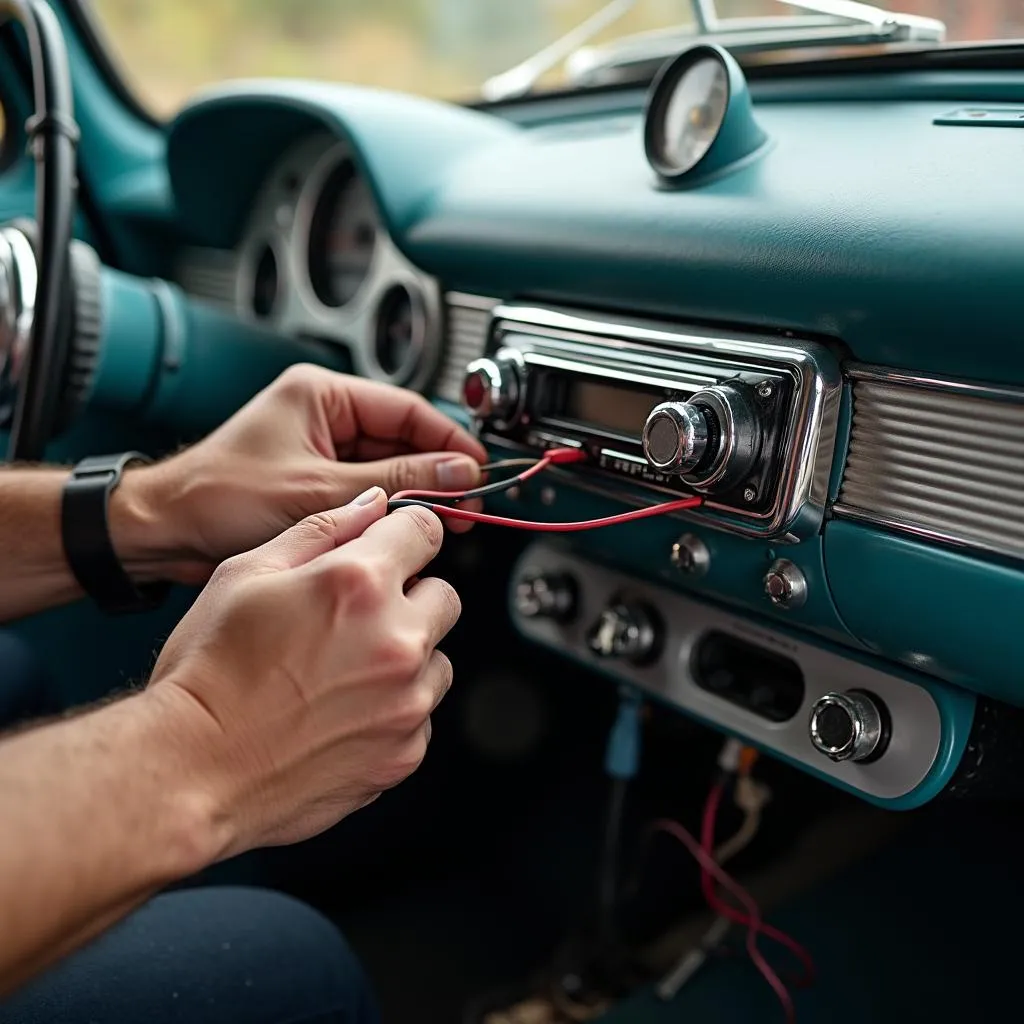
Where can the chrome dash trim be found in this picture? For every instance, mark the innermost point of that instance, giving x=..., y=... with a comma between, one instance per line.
x=799, y=509
x=899, y=525
x=972, y=389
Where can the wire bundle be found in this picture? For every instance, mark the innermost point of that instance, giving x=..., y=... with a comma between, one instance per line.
x=744, y=909
x=553, y=457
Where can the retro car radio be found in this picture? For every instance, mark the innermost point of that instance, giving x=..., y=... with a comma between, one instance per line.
x=748, y=421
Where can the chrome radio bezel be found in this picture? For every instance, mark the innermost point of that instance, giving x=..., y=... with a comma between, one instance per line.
x=802, y=492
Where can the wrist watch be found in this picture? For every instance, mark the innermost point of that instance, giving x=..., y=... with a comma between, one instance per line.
x=85, y=531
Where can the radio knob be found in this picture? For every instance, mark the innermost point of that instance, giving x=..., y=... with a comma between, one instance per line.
x=851, y=726
x=711, y=441
x=628, y=630
x=546, y=596
x=675, y=437
x=494, y=388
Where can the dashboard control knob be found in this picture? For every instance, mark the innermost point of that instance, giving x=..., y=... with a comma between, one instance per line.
x=546, y=596
x=690, y=555
x=494, y=388
x=712, y=440
x=785, y=584
x=851, y=726
x=675, y=437
x=628, y=630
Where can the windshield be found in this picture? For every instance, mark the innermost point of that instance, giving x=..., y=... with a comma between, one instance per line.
x=446, y=48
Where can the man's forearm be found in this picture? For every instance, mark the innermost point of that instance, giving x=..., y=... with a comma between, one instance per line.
x=96, y=813
x=35, y=571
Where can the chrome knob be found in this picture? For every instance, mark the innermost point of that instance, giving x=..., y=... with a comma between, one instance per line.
x=546, y=596
x=494, y=388
x=675, y=437
x=851, y=726
x=627, y=630
x=785, y=584
x=712, y=440
x=690, y=555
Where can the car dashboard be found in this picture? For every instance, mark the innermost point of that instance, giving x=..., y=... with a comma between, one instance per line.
x=827, y=320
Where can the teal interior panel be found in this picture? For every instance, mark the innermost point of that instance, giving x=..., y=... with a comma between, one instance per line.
x=406, y=144
x=935, y=609
x=864, y=222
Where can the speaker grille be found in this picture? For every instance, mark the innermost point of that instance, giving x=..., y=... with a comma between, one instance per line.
x=940, y=459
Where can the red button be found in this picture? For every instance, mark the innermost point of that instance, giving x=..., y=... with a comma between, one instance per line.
x=474, y=391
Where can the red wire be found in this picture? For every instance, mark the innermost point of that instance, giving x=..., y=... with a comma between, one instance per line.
x=586, y=524
x=552, y=457
x=737, y=916
x=709, y=864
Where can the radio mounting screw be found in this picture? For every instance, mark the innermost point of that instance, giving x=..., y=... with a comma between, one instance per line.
x=764, y=389
x=749, y=494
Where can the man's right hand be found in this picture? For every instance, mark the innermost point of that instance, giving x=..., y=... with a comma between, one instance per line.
x=301, y=683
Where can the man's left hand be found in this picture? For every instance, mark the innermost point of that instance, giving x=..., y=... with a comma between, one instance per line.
x=312, y=440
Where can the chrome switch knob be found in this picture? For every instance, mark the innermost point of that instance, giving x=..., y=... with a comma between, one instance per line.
x=851, y=726
x=546, y=596
x=628, y=630
x=785, y=584
x=494, y=388
x=675, y=437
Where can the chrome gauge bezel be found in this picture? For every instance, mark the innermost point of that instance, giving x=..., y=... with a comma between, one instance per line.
x=282, y=217
x=663, y=91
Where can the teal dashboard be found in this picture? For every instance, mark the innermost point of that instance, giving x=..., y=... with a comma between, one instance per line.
x=815, y=327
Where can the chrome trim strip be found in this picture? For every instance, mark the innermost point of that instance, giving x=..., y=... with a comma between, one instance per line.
x=800, y=505
x=972, y=389
x=897, y=525
x=469, y=301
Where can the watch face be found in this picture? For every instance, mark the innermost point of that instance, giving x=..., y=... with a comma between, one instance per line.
x=686, y=113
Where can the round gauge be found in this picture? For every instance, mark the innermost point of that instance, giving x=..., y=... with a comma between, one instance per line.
x=342, y=236
x=400, y=332
x=686, y=112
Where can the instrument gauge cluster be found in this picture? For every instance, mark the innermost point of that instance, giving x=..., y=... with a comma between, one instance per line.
x=316, y=260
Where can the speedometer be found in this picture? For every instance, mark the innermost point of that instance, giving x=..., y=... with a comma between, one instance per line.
x=342, y=235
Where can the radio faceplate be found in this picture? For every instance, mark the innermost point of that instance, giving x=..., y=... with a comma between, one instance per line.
x=738, y=418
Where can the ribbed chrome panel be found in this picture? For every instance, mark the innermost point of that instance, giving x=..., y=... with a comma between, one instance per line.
x=209, y=274
x=467, y=319
x=937, y=459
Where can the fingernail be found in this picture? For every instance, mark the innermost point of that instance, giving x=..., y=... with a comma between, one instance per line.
x=367, y=497
x=454, y=474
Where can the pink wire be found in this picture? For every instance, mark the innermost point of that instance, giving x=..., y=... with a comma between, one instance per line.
x=708, y=863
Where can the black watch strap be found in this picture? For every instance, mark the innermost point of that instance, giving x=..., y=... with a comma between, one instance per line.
x=88, y=547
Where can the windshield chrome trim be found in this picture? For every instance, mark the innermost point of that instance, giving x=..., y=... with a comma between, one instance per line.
x=873, y=26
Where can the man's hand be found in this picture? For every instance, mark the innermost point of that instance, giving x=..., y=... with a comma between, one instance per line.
x=298, y=687
x=301, y=682
x=311, y=441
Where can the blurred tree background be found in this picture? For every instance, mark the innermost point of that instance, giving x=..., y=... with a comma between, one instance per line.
x=170, y=48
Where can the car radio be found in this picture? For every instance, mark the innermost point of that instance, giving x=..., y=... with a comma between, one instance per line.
x=747, y=421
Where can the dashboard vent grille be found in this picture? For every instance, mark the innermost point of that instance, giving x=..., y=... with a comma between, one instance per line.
x=209, y=274
x=939, y=460
x=467, y=319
